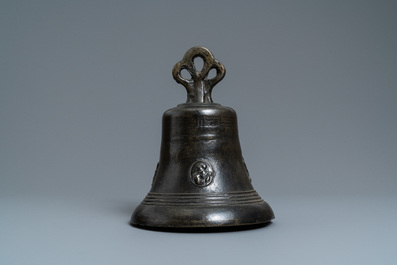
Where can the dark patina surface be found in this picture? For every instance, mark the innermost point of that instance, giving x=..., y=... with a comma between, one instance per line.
x=201, y=180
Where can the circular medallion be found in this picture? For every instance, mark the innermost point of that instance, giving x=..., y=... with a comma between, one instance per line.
x=201, y=174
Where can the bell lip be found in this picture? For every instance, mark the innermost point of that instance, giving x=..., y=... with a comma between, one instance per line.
x=203, y=229
x=170, y=218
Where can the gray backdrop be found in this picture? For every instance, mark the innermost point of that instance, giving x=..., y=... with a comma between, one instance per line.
x=83, y=85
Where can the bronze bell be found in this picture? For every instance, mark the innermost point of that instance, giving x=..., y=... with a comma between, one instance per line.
x=201, y=180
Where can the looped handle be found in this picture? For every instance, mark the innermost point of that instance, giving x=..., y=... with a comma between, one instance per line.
x=199, y=87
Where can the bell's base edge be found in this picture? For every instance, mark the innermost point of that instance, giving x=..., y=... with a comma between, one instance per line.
x=234, y=217
x=205, y=229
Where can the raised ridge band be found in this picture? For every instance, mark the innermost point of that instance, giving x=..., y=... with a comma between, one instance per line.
x=200, y=199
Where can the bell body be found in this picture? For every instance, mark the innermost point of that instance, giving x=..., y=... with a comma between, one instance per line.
x=201, y=179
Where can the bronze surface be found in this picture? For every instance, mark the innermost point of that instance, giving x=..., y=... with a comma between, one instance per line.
x=201, y=180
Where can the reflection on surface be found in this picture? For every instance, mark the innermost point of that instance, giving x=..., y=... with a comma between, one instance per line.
x=219, y=217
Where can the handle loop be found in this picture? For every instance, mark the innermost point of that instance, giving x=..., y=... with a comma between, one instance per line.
x=199, y=87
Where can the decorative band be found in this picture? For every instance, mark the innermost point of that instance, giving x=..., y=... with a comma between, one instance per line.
x=200, y=199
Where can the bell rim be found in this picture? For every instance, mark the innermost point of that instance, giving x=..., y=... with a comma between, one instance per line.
x=203, y=229
x=196, y=218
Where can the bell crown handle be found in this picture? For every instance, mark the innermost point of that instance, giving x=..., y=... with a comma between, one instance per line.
x=198, y=87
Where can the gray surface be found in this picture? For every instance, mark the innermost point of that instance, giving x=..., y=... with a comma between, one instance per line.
x=84, y=84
